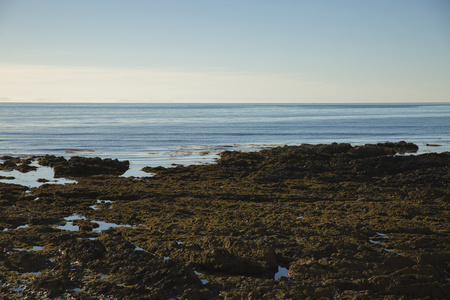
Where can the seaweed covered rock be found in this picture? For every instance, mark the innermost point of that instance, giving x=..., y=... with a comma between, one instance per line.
x=333, y=162
x=78, y=166
x=17, y=163
x=401, y=147
x=26, y=261
x=83, y=250
x=52, y=284
x=290, y=222
x=10, y=194
x=235, y=256
x=50, y=160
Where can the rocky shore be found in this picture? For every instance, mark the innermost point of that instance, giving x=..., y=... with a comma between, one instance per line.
x=295, y=222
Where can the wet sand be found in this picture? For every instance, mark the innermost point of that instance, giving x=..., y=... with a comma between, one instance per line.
x=292, y=222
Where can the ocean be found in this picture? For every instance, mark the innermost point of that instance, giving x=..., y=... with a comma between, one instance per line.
x=156, y=134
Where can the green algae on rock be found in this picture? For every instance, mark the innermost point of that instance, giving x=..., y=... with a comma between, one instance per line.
x=347, y=222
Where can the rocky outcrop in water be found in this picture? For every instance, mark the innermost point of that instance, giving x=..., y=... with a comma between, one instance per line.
x=17, y=163
x=78, y=166
x=293, y=222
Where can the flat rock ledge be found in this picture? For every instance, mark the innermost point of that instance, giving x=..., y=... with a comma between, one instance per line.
x=328, y=221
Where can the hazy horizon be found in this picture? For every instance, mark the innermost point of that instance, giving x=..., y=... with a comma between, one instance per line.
x=122, y=101
x=225, y=51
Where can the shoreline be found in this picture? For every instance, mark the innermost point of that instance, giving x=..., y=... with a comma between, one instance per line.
x=184, y=155
x=328, y=220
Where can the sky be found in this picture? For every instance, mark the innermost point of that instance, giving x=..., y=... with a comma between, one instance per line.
x=284, y=51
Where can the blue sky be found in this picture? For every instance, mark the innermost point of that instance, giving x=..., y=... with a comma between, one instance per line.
x=225, y=51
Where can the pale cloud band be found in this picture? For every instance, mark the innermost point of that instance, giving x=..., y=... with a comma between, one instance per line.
x=94, y=84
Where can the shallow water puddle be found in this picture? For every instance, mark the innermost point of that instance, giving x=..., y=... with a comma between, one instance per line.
x=102, y=225
x=375, y=242
x=379, y=235
x=45, y=175
x=382, y=235
x=19, y=227
x=73, y=267
x=135, y=170
x=96, y=206
x=106, y=225
x=137, y=248
x=68, y=225
x=34, y=248
x=282, y=272
x=20, y=288
x=203, y=280
x=74, y=217
x=31, y=273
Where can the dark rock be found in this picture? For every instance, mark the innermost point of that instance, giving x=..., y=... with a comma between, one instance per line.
x=50, y=160
x=236, y=257
x=24, y=168
x=53, y=283
x=397, y=262
x=401, y=147
x=83, y=250
x=85, y=225
x=43, y=220
x=367, y=151
x=445, y=288
x=26, y=261
x=78, y=166
x=83, y=166
x=439, y=260
x=13, y=222
x=9, y=165
x=16, y=163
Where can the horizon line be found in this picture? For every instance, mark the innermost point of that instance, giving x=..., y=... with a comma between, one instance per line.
x=212, y=102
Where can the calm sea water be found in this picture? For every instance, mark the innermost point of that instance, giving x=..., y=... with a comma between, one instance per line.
x=164, y=134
